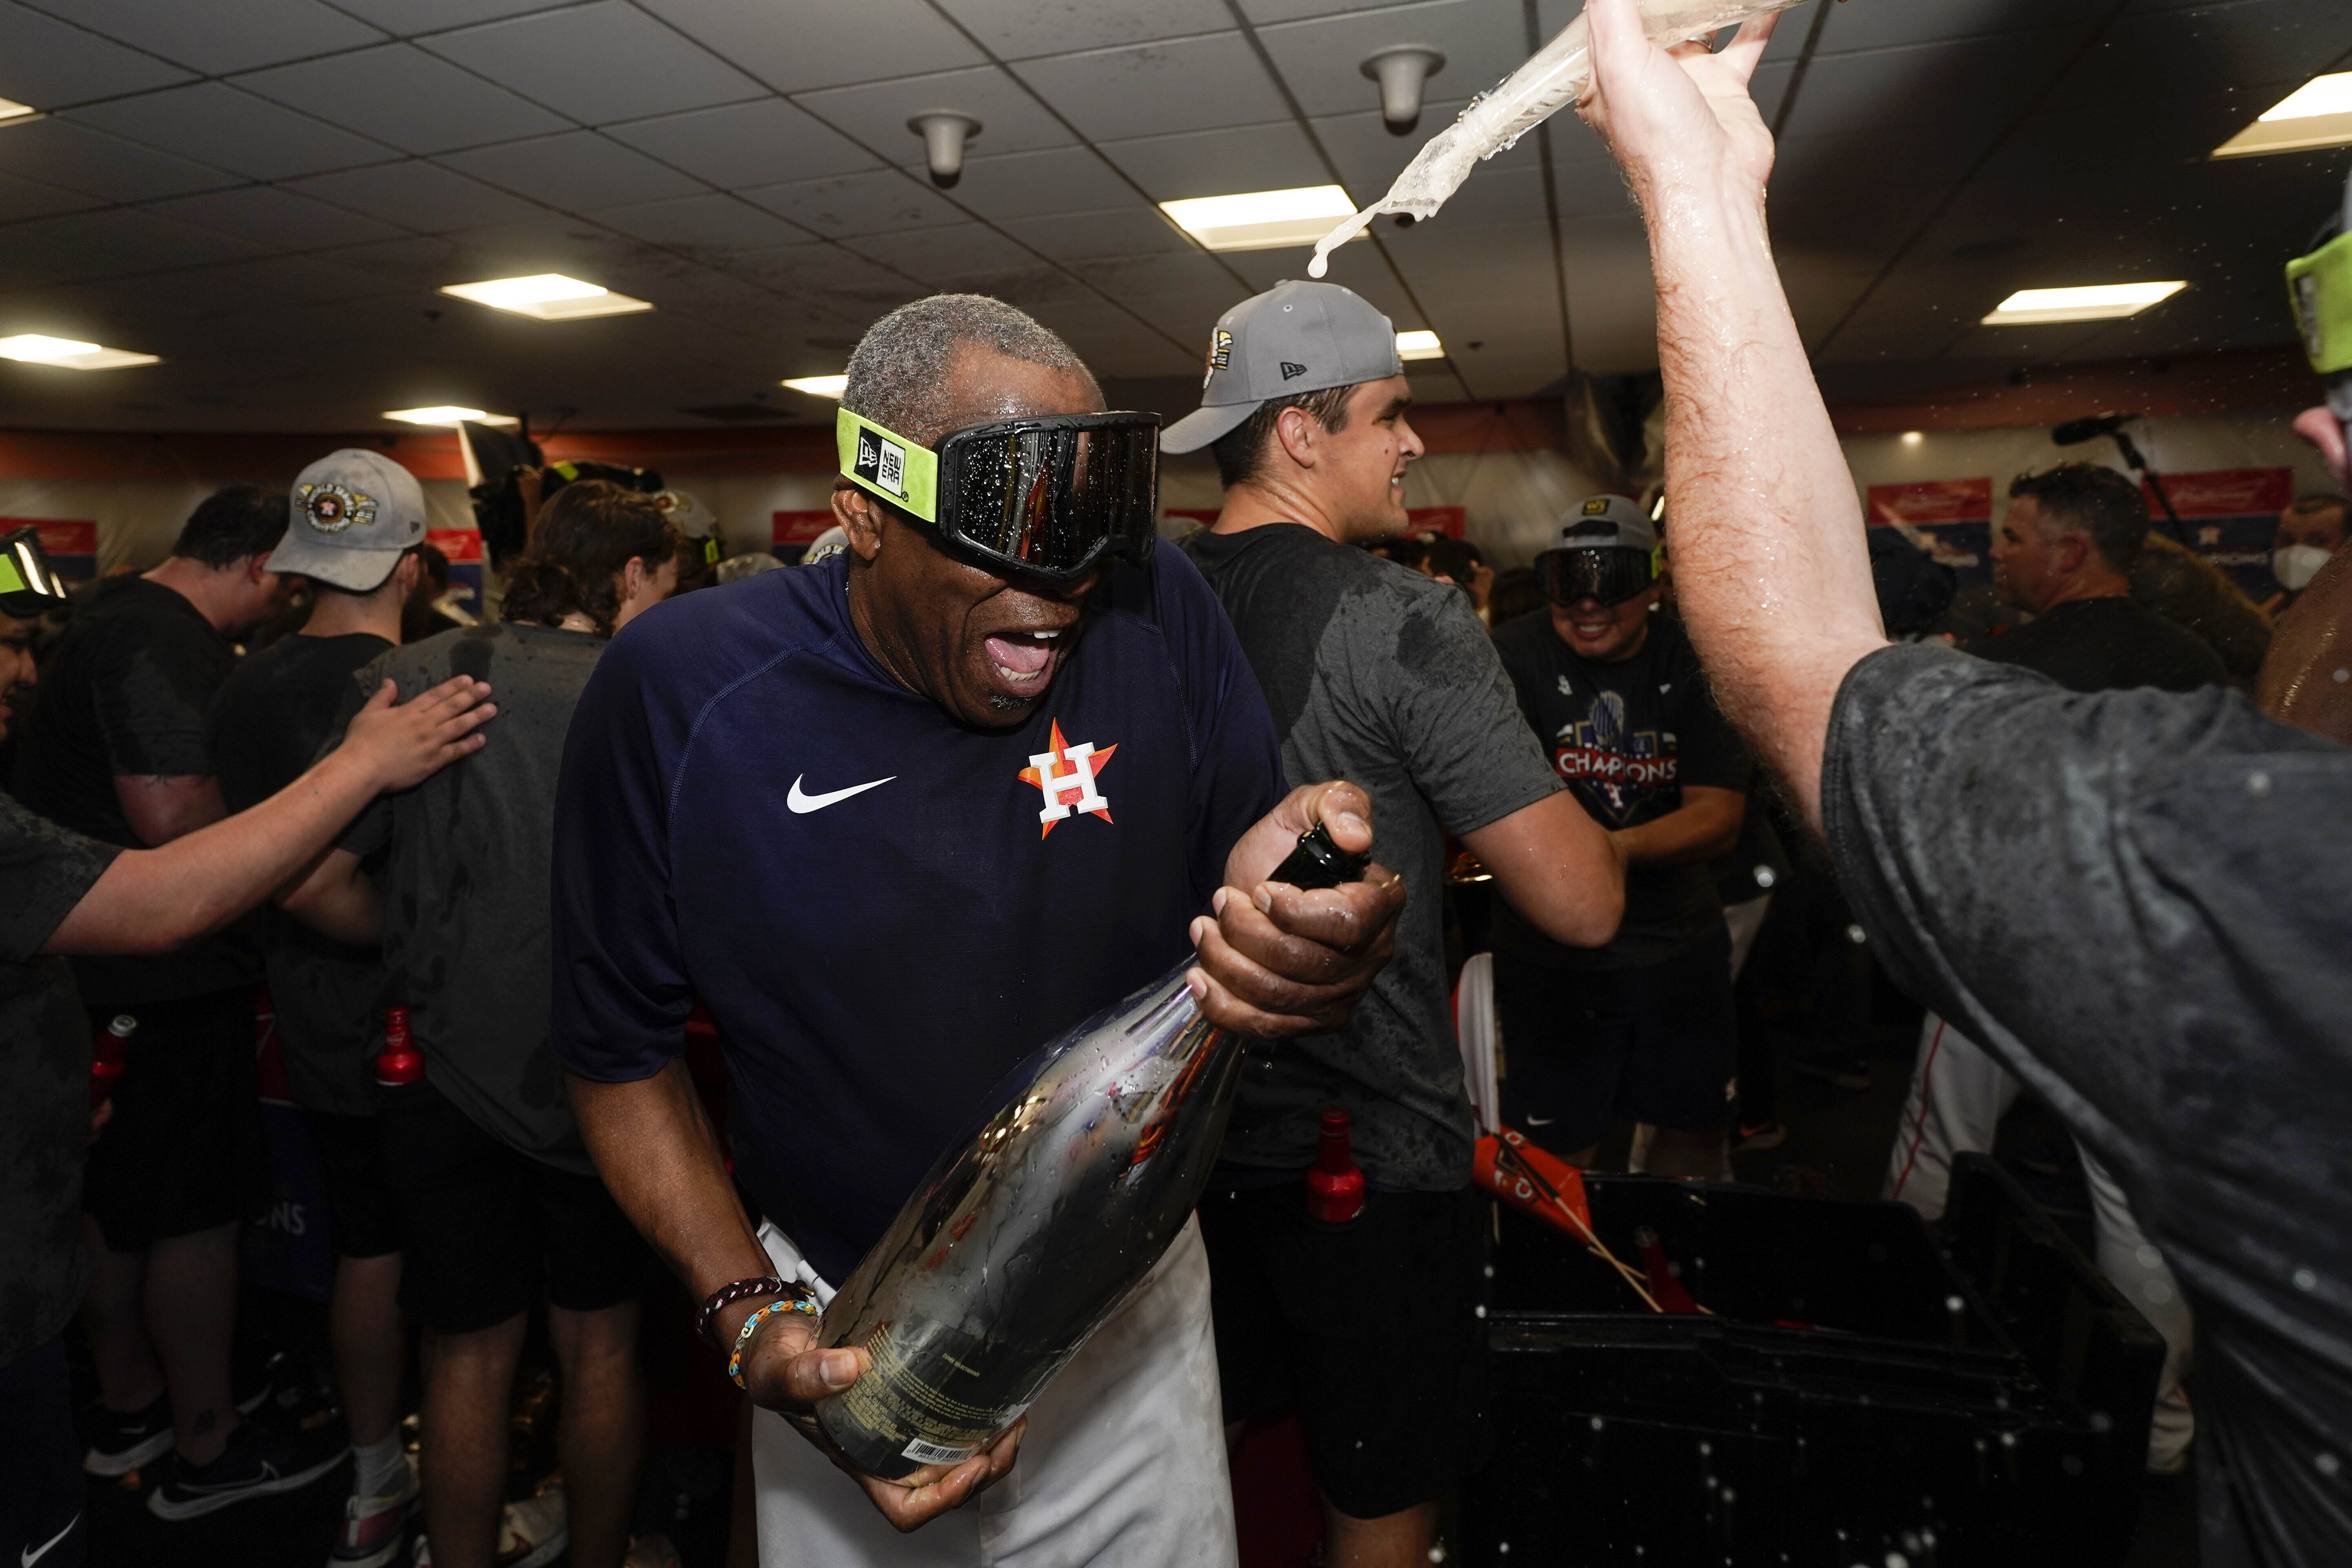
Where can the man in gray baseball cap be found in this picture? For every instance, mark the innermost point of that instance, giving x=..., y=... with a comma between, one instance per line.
x=1380, y=675
x=355, y=514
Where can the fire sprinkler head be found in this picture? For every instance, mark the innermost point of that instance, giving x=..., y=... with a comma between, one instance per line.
x=1400, y=71
x=943, y=131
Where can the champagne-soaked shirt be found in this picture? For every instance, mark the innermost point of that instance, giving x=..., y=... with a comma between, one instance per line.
x=2141, y=903
x=883, y=908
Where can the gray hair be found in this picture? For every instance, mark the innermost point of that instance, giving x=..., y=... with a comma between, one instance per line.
x=898, y=375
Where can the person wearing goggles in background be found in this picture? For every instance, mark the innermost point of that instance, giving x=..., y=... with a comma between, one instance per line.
x=1644, y=1027
x=896, y=818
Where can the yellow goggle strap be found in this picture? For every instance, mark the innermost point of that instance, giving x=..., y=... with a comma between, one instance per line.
x=2320, y=285
x=902, y=473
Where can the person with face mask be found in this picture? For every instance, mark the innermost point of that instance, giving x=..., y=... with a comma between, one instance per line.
x=2309, y=531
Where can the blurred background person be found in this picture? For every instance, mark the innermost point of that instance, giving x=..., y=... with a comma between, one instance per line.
x=2310, y=530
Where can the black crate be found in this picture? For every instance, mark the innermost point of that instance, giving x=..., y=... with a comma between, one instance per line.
x=1857, y=1399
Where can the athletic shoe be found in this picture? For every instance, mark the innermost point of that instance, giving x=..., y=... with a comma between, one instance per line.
x=372, y=1526
x=256, y=1462
x=1755, y=1135
x=120, y=1441
x=535, y=1530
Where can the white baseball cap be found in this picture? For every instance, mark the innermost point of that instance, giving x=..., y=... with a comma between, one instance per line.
x=354, y=511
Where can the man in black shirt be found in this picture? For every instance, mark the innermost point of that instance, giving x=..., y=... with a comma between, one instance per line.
x=358, y=525
x=1643, y=1027
x=115, y=748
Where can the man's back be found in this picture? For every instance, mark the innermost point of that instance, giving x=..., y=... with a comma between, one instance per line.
x=2108, y=644
x=1383, y=677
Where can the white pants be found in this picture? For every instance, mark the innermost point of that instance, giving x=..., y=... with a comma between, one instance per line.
x=1123, y=1463
x=1959, y=1095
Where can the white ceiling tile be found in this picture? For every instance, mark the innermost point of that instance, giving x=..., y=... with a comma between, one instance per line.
x=107, y=244
x=1263, y=12
x=1132, y=230
x=48, y=64
x=598, y=63
x=574, y=171
x=234, y=130
x=1014, y=29
x=1270, y=157
x=1031, y=185
x=702, y=223
x=22, y=198
x=1370, y=158
x=1149, y=89
x=762, y=143
x=1482, y=42
x=876, y=114
x=284, y=279
x=280, y=219
x=795, y=45
x=60, y=153
x=218, y=39
x=400, y=95
x=880, y=203
x=940, y=254
x=407, y=18
x=419, y=261
x=418, y=196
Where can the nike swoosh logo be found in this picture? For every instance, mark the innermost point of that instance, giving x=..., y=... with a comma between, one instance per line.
x=803, y=803
x=1541, y=1121
x=32, y=1554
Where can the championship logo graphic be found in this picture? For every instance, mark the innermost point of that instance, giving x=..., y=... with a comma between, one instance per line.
x=1221, y=353
x=1619, y=770
x=332, y=507
x=1066, y=776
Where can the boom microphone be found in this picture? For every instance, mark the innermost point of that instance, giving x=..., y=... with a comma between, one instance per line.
x=2074, y=432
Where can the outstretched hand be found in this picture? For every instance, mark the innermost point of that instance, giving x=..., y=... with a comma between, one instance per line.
x=402, y=745
x=1679, y=113
x=788, y=1375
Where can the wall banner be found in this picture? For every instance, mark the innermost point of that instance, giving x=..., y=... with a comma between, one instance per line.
x=796, y=531
x=463, y=546
x=1952, y=517
x=2231, y=516
x=71, y=547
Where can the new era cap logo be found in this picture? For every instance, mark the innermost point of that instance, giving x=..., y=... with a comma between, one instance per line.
x=1292, y=372
x=1597, y=506
x=883, y=463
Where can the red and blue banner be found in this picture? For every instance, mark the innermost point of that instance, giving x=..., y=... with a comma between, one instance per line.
x=463, y=546
x=2230, y=517
x=1952, y=517
x=71, y=547
x=795, y=531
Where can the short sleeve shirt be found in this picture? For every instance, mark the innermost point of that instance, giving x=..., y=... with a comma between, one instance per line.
x=127, y=694
x=1380, y=676
x=44, y=871
x=1628, y=737
x=2108, y=644
x=2139, y=903
x=885, y=911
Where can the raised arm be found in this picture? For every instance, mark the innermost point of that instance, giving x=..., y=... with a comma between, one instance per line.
x=1562, y=870
x=1771, y=571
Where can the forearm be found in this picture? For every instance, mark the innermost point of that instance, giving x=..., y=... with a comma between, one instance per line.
x=1700, y=829
x=339, y=899
x=1560, y=869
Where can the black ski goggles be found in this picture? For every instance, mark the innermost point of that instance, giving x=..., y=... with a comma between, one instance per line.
x=28, y=589
x=1612, y=575
x=1047, y=497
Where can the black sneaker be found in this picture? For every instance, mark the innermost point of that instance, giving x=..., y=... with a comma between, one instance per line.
x=120, y=1441
x=256, y=1462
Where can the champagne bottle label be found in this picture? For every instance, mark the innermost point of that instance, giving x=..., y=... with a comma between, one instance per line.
x=924, y=1421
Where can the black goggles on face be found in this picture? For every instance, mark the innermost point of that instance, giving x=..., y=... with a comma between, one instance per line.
x=1046, y=497
x=1612, y=575
x=28, y=589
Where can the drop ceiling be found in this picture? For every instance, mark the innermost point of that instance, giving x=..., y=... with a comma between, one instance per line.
x=268, y=192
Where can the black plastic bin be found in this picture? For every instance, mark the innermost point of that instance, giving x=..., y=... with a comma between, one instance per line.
x=1859, y=1398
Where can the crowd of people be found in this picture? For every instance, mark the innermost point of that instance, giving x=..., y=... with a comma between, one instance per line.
x=894, y=818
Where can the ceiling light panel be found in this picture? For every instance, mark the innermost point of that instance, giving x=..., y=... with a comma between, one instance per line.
x=2316, y=115
x=446, y=414
x=1419, y=345
x=31, y=348
x=819, y=385
x=2099, y=302
x=11, y=110
x=548, y=297
x=1262, y=220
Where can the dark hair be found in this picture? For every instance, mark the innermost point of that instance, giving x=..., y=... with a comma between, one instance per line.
x=1401, y=548
x=232, y=524
x=1515, y=594
x=2305, y=506
x=2087, y=498
x=1241, y=451
x=586, y=533
x=435, y=563
x=1455, y=560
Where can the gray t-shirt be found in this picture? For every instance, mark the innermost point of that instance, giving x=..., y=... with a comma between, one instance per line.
x=45, y=1040
x=2142, y=904
x=1383, y=677
x=465, y=881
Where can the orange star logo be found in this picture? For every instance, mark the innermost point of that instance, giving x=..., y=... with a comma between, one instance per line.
x=1064, y=775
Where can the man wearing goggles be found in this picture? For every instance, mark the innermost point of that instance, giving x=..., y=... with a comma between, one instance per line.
x=896, y=818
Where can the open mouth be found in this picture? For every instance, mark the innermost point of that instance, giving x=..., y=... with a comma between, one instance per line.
x=1023, y=663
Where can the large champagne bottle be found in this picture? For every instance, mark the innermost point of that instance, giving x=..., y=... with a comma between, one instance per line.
x=1025, y=1237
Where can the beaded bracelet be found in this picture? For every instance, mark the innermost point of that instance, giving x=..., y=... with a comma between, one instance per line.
x=743, y=1336
x=726, y=1296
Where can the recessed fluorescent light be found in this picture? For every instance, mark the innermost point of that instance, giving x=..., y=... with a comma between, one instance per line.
x=548, y=296
x=34, y=349
x=2100, y=302
x=1914, y=437
x=2316, y=115
x=11, y=110
x=1419, y=345
x=1262, y=220
x=446, y=414
x=819, y=385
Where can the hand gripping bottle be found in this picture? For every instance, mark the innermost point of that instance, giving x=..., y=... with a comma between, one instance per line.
x=1028, y=1234
x=400, y=1064
x=107, y=1057
x=1335, y=1187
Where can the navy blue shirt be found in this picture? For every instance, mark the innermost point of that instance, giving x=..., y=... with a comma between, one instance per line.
x=876, y=965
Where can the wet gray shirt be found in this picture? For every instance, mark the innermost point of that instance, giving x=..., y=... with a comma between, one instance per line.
x=1381, y=676
x=2142, y=904
x=465, y=881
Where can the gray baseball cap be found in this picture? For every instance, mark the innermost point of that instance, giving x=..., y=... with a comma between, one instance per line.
x=1605, y=523
x=353, y=512
x=1295, y=337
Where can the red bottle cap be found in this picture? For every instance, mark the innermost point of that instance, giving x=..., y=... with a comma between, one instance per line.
x=401, y=1063
x=1335, y=1187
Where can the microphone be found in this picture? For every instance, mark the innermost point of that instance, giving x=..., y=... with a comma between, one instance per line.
x=2074, y=432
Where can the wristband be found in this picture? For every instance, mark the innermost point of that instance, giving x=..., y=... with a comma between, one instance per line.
x=803, y=1304
x=726, y=1296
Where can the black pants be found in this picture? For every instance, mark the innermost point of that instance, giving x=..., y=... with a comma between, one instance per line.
x=41, y=1485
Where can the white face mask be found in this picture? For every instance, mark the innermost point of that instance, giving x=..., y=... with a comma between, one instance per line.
x=2294, y=566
